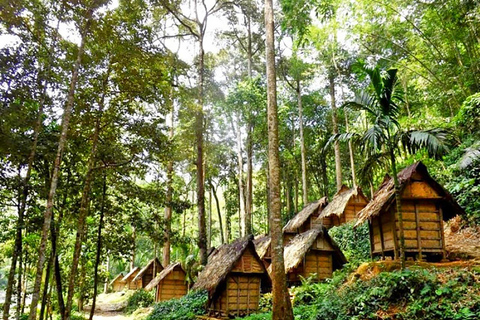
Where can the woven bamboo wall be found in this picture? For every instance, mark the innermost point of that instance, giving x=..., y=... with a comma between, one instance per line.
x=172, y=286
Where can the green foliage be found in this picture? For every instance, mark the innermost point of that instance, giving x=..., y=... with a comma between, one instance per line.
x=185, y=308
x=467, y=119
x=139, y=299
x=265, y=303
x=74, y=316
x=354, y=243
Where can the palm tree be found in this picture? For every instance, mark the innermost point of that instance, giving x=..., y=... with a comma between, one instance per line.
x=385, y=139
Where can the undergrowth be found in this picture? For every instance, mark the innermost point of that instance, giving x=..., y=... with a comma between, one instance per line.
x=185, y=308
x=415, y=293
x=139, y=299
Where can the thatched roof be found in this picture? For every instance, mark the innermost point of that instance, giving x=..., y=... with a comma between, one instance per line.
x=297, y=221
x=162, y=275
x=221, y=262
x=385, y=195
x=298, y=247
x=131, y=274
x=118, y=277
x=340, y=201
x=262, y=244
x=149, y=264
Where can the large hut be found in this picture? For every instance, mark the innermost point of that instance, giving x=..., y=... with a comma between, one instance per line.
x=343, y=208
x=128, y=279
x=233, y=278
x=305, y=220
x=144, y=276
x=312, y=253
x=263, y=248
x=170, y=283
x=118, y=284
x=425, y=204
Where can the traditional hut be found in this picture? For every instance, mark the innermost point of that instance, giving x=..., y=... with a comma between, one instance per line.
x=118, y=283
x=424, y=204
x=128, y=279
x=312, y=252
x=344, y=207
x=170, y=283
x=144, y=276
x=305, y=220
x=233, y=278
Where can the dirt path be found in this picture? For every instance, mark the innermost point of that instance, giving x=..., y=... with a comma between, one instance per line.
x=102, y=315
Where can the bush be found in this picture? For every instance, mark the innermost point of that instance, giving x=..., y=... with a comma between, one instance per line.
x=354, y=243
x=185, y=308
x=140, y=299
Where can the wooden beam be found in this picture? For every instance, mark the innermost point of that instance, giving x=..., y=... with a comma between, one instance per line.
x=442, y=235
x=382, y=244
x=395, y=237
x=419, y=238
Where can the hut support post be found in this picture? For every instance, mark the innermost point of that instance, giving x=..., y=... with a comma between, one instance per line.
x=395, y=236
x=419, y=237
x=381, y=236
x=442, y=235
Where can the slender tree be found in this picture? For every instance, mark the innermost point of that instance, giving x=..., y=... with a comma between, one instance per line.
x=282, y=308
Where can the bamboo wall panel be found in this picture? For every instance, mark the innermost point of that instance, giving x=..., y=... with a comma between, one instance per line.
x=248, y=264
x=419, y=189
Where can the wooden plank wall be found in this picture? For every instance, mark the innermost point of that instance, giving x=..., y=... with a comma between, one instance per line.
x=319, y=262
x=172, y=286
x=248, y=264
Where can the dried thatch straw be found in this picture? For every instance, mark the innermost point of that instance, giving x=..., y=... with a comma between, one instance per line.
x=158, y=266
x=221, y=262
x=297, y=221
x=131, y=274
x=165, y=272
x=262, y=244
x=340, y=201
x=384, y=197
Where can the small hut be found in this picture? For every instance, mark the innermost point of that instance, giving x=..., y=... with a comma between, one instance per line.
x=305, y=220
x=128, y=279
x=425, y=205
x=118, y=283
x=233, y=278
x=344, y=207
x=150, y=271
x=312, y=253
x=170, y=283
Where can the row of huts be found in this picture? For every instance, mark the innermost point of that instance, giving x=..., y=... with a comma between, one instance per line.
x=237, y=273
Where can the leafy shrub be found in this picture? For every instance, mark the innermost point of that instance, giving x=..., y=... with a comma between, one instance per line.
x=139, y=299
x=354, y=243
x=265, y=303
x=185, y=308
x=467, y=119
x=74, y=316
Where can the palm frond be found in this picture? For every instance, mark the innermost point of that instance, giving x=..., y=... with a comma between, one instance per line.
x=373, y=162
x=433, y=140
x=373, y=138
x=349, y=136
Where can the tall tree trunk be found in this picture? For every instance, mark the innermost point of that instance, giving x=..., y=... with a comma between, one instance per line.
x=85, y=201
x=249, y=205
x=107, y=267
x=282, y=308
x=46, y=285
x=302, y=146
x=398, y=204
x=55, y=226
x=202, y=236
x=99, y=247
x=132, y=257
x=222, y=238
x=243, y=217
x=350, y=150
x=168, y=208
x=338, y=162
x=56, y=170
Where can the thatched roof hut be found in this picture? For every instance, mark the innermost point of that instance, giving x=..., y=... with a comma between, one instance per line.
x=233, y=278
x=304, y=220
x=118, y=283
x=425, y=205
x=169, y=283
x=312, y=252
x=147, y=273
x=344, y=207
x=128, y=279
x=262, y=246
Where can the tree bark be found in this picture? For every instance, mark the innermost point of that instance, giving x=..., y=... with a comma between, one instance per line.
x=398, y=204
x=350, y=150
x=282, y=308
x=99, y=247
x=168, y=208
x=243, y=217
x=222, y=238
x=56, y=170
x=249, y=205
x=84, y=203
x=302, y=146
x=202, y=235
x=338, y=162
